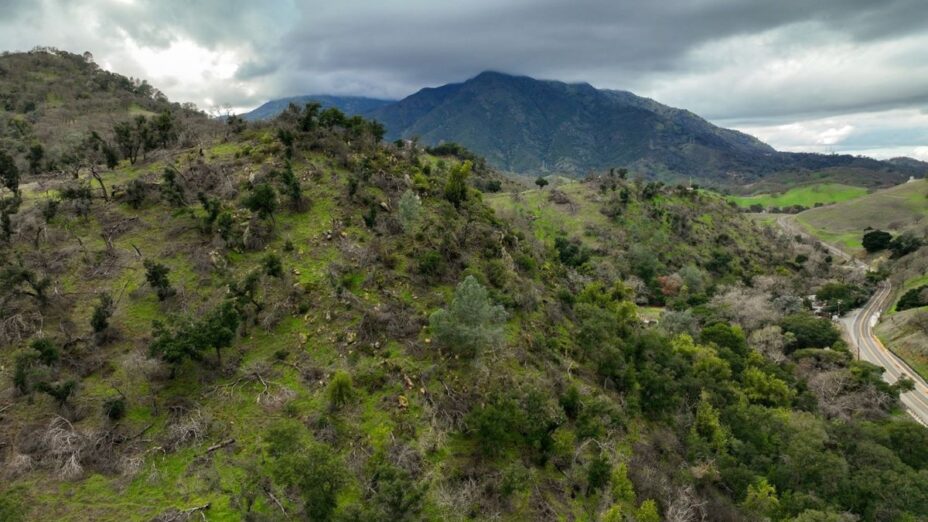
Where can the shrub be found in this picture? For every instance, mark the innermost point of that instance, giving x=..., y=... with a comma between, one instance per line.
x=47, y=351
x=597, y=474
x=430, y=263
x=571, y=253
x=914, y=298
x=100, y=320
x=340, y=391
x=273, y=266
x=410, y=207
x=472, y=323
x=262, y=200
x=903, y=244
x=311, y=469
x=876, y=240
x=809, y=331
x=114, y=408
x=157, y=276
x=456, y=186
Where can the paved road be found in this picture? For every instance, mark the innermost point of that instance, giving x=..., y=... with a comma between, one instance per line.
x=859, y=327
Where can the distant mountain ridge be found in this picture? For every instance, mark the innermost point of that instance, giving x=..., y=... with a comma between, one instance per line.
x=347, y=104
x=524, y=125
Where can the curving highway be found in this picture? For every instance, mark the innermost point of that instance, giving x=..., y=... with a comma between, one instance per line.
x=858, y=324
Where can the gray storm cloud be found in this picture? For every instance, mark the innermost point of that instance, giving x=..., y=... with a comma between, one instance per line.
x=763, y=64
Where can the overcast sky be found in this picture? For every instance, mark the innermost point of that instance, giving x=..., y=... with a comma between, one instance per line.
x=812, y=75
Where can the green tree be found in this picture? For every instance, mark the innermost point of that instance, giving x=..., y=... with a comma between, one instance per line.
x=622, y=488
x=164, y=129
x=262, y=200
x=762, y=498
x=340, y=391
x=35, y=157
x=130, y=137
x=410, y=208
x=273, y=266
x=810, y=331
x=876, y=240
x=903, y=244
x=157, y=276
x=311, y=469
x=647, y=512
x=189, y=339
x=61, y=393
x=100, y=319
x=9, y=173
x=456, y=185
x=47, y=351
x=472, y=323
x=541, y=182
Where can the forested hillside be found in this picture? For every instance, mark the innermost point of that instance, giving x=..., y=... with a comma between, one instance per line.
x=296, y=320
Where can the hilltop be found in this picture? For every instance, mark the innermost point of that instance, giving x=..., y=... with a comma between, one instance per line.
x=351, y=105
x=298, y=319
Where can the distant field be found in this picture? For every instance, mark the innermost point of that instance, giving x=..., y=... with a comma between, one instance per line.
x=895, y=209
x=807, y=196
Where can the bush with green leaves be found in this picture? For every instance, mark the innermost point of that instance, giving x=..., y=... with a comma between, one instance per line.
x=409, y=210
x=114, y=408
x=340, y=391
x=100, y=319
x=904, y=244
x=456, y=185
x=190, y=338
x=876, y=240
x=471, y=324
x=157, y=276
x=312, y=470
x=262, y=200
x=571, y=253
x=913, y=298
x=273, y=266
x=810, y=331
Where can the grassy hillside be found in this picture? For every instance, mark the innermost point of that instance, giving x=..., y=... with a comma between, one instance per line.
x=906, y=334
x=895, y=210
x=51, y=99
x=296, y=320
x=805, y=196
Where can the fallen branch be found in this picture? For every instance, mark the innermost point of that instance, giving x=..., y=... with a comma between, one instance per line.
x=274, y=498
x=221, y=445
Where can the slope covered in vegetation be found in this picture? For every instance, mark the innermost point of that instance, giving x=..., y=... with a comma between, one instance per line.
x=295, y=320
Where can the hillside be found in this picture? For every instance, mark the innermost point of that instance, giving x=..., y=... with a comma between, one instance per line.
x=351, y=105
x=52, y=98
x=295, y=319
x=896, y=209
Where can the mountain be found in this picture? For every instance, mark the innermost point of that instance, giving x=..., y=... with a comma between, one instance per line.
x=348, y=104
x=538, y=126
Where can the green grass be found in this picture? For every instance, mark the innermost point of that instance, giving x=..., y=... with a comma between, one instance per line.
x=807, y=196
x=549, y=219
x=908, y=285
x=894, y=209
